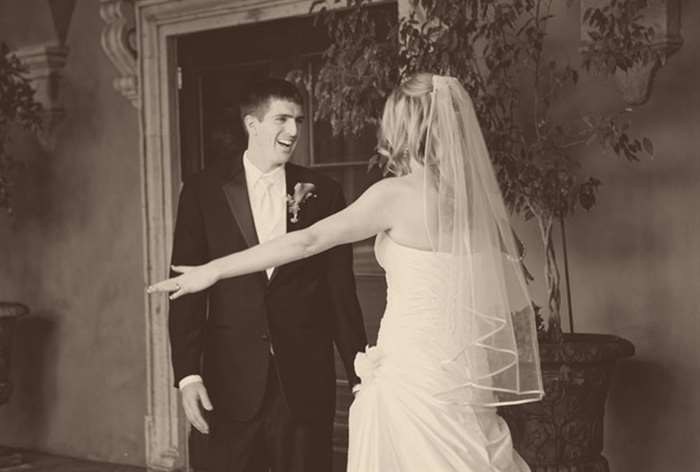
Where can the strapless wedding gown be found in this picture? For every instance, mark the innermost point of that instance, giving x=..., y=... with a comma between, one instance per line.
x=398, y=421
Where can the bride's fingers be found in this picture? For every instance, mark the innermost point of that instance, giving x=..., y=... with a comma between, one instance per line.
x=157, y=287
x=168, y=285
x=178, y=294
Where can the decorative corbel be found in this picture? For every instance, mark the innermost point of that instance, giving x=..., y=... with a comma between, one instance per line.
x=119, y=43
x=44, y=64
x=664, y=17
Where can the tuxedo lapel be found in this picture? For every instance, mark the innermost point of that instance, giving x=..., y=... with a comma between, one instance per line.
x=292, y=176
x=236, y=191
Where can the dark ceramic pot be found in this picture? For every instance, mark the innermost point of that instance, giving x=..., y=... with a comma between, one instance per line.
x=9, y=312
x=564, y=431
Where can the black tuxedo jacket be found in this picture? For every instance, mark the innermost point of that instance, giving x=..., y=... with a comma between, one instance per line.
x=224, y=334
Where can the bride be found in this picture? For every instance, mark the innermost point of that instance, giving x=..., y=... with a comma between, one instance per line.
x=457, y=338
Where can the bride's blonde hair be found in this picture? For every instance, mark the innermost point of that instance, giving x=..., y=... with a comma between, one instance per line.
x=405, y=124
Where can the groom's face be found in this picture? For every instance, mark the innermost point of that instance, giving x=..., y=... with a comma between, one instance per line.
x=274, y=137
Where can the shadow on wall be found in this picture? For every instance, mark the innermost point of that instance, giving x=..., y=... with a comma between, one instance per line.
x=32, y=199
x=33, y=375
x=640, y=389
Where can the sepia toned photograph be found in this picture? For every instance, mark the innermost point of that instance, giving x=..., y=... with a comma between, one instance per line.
x=349, y=235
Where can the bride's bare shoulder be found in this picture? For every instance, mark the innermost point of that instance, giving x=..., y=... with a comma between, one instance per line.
x=384, y=186
x=406, y=183
x=394, y=194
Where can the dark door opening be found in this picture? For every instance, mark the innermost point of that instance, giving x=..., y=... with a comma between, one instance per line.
x=212, y=67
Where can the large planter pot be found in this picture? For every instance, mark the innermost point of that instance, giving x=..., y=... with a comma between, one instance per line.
x=9, y=312
x=564, y=431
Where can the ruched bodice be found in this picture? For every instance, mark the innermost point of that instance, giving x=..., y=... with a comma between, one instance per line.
x=415, y=278
x=412, y=320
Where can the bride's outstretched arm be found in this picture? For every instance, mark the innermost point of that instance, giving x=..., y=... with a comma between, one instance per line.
x=369, y=215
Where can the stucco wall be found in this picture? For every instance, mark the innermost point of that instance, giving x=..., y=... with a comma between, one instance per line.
x=73, y=253
x=635, y=258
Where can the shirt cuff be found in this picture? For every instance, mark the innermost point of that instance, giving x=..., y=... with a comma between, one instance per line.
x=189, y=379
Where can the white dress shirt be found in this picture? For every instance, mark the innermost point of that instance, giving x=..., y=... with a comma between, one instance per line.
x=268, y=201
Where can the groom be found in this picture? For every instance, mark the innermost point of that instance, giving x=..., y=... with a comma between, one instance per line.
x=253, y=355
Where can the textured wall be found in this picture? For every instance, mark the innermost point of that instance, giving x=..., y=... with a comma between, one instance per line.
x=74, y=255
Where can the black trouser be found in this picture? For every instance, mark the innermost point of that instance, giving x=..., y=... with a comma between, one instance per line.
x=272, y=441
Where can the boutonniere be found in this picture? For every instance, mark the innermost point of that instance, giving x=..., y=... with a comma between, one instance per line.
x=302, y=192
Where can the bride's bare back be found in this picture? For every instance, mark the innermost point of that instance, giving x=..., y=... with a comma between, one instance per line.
x=408, y=208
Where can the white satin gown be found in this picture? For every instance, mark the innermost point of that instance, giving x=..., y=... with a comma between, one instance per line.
x=398, y=421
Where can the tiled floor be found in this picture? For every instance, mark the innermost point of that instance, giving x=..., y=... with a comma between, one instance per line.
x=33, y=462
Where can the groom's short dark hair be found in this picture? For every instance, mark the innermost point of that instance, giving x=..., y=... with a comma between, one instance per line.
x=256, y=95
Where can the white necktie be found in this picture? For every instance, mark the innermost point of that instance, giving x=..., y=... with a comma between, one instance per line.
x=265, y=207
x=266, y=214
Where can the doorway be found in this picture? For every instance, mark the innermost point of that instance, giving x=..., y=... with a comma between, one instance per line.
x=212, y=66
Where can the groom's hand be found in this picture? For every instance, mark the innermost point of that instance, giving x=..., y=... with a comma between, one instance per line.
x=192, y=395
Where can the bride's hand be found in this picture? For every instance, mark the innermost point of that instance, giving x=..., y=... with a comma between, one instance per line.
x=192, y=279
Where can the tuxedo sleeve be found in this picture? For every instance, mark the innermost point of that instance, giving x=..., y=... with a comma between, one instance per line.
x=187, y=314
x=349, y=329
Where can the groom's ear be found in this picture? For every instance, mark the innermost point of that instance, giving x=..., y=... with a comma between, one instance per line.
x=250, y=124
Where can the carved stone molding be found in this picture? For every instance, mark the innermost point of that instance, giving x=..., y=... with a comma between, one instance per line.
x=118, y=42
x=664, y=16
x=44, y=64
x=635, y=83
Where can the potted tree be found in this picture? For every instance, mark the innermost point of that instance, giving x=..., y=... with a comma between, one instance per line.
x=17, y=108
x=497, y=50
